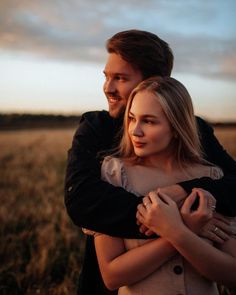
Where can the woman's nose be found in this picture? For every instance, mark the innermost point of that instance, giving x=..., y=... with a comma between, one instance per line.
x=137, y=130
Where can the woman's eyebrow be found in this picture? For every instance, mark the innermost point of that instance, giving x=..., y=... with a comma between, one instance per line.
x=145, y=115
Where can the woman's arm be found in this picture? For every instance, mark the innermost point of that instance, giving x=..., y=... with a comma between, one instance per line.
x=119, y=268
x=163, y=217
x=217, y=265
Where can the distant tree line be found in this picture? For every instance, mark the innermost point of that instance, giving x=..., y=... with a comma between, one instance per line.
x=30, y=121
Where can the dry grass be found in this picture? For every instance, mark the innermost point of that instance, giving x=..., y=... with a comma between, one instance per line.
x=40, y=250
x=227, y=137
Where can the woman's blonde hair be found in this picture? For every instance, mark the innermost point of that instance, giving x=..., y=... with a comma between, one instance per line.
x=178, y=108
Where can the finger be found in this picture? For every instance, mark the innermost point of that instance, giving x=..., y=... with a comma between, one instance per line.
x=211, y=201
x=213, y=237
x=186, y=207
x=226, y=228
x=222, y=235
x=146, y=200
x=215, y=230
x=143, y=229
x=153, y=196
x=140, y=217
x=141, y=209
x=222, y=218
x=165, y=198
x=203, y=200
x=149, y=233
x=204, y=192
x=158, y=190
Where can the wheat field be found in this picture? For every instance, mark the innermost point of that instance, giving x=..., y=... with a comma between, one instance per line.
x=40, y=249
x=227, y=137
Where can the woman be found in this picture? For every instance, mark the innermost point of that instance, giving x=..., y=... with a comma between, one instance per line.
x=160, y=146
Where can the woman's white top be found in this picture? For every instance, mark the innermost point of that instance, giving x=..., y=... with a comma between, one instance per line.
x=176, y=276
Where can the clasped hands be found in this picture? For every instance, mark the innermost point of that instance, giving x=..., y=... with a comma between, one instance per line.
x=159, y=214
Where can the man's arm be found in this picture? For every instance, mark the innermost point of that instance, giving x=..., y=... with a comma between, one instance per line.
x=91, y=202
x=224, y=189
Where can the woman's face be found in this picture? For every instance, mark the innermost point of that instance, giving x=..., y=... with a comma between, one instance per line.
x=149, y=128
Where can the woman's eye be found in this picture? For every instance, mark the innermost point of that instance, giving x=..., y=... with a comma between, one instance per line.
x=131, y=119
x=149, y=122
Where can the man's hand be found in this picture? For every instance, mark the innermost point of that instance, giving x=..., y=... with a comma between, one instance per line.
x=204, y=221
x=175, y=192
x=217, y=229
x=196, y=219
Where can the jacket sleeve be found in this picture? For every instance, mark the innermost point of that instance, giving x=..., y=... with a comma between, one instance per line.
x=224, y=189
x=91, y=202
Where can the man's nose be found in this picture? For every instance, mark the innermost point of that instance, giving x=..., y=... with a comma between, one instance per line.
x=109, y=86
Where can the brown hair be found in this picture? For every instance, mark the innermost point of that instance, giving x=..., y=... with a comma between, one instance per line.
x=145, y=51
x=177, y=106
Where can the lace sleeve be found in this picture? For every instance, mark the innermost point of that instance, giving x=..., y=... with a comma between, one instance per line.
x=113, y=172
x=216, y=172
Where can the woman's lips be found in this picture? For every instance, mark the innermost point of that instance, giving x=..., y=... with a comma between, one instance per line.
x=139, y=144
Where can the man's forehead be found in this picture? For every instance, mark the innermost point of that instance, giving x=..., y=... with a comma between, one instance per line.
x=118, y=69
x=117, y=65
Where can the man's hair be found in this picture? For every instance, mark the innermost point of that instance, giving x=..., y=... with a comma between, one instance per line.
x=177, y=106
x=145, y=51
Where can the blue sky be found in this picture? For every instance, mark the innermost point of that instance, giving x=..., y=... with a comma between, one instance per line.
x=52, y=51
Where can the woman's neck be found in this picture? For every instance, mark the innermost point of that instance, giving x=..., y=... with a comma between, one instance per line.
x=165, y=163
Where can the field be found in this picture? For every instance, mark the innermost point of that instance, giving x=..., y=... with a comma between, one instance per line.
x=227, y=137
x=40, y=249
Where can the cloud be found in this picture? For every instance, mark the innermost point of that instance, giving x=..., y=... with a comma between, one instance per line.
x=47, y=22
x=201, y=33
x=205, y=56
x=228, y=65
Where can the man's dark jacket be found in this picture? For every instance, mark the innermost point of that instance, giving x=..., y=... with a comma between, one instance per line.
x=97, y=205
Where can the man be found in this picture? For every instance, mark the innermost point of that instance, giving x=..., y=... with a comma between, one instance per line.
x=91, y=203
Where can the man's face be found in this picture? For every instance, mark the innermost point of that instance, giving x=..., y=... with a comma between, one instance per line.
x=120, y=79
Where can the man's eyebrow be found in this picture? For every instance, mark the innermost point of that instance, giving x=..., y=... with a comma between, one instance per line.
x=116, y=74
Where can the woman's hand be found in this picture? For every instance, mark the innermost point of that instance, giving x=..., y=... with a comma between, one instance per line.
x=160, y=214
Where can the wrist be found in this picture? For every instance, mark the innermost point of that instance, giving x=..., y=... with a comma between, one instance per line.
x=177, y=235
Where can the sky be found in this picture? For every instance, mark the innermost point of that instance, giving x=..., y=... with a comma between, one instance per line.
x=52, y=52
